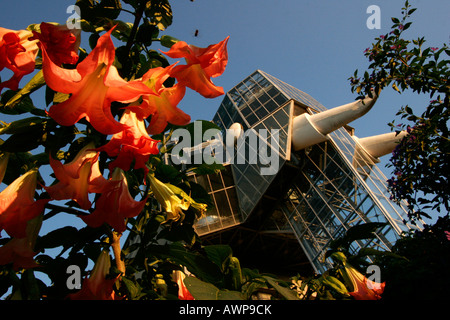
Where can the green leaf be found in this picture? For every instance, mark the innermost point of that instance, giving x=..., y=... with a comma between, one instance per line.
x=358, y=232
x=21, y=126
x=146, y=33
x=201, y=290
x=335, y=284
x=34, y=84
x=26, y=137
x=160, y=13
x=219, y=254
x=23, y=105
x=287, y=293
x=374, y=252
x=94, y=11
x=364, y=231
x=64, y=237
x=133, y=289
x=198, y=264
x=168, y=41
x=395, y=87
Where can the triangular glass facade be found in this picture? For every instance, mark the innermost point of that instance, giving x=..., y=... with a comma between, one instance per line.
x=330, y=186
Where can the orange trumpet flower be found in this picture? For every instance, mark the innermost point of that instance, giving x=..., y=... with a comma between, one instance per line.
x=18, y=54
x=115, y=205
x=17, y=204
x=202, y=65
x=93, y=85
x=78, y=178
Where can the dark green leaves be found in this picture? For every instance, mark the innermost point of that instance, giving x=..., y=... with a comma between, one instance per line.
x=358, y=232
x=419, y=170
x=20, y=102
x=94, y=11
x=160, y=13
x=196, y=262
x=201, y=290
x=26, y=134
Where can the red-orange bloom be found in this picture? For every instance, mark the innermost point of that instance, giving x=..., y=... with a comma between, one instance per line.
x=78, y=178
x=363, y=288
x=115, y=205
x=17, y=205
x=60, y=43
x=183, y=293
x=93, y=85
x=18, y=54
x=202, y=65
x=20, y=251
x=133, y=143
x=162, y=106
x=97, y=287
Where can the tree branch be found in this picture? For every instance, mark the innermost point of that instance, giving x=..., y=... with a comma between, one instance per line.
x=137, y=18
x=64, y=209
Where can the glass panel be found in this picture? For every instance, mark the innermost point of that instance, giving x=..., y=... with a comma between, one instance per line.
x=282, y=117
x=280, y=99
x=216, y=182
x=261, y=112
x=233, y=200
x=272, y=91
x=222, y=204
x=227, y=176
x=263, y=98
x=271, y=105
x=246, y=111
x=252, y=119
x=271, y=123
x=203, y=181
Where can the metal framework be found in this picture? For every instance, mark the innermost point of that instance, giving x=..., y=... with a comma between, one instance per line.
x=318, y=191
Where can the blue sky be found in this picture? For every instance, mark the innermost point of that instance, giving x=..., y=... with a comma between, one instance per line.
x=314, y=45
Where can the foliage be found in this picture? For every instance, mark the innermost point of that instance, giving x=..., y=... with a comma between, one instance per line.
x=420, y=161
x=422, y=273
x=158, y=219
x=158, y=243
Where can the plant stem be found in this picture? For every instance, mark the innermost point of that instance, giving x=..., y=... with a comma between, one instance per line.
x=64, y=209
x=115, y=244
x=137, y=19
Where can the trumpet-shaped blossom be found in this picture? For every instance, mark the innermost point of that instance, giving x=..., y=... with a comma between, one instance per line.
x=131, y=144
x=183, y=293
x=363, y=288
x=162, y=106
x=202, y=65
x=17, y=204
x=78, y=178
x=18, y=54
x=93, y=85
x=168, y=200
x=115, y=205
x=60, y=42
x=20, y=251
x=97, y=286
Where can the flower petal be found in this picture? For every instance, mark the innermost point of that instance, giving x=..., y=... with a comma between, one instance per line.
x=93, y=86
x=17, y=205
x=115, y=205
